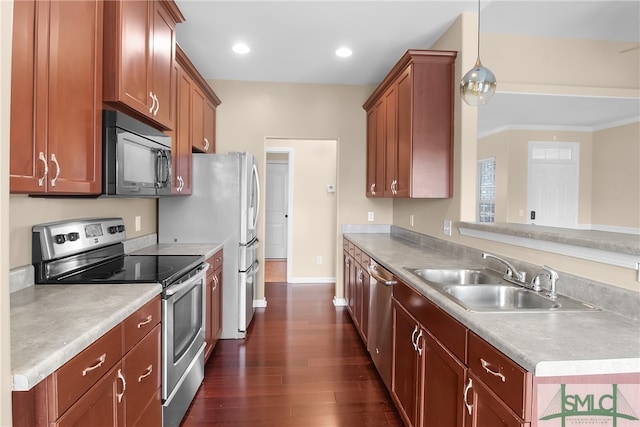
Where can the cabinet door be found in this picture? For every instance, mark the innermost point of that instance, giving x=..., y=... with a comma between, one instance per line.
x=406, y=375
x=197, y=119
x=487, y=410
x=353, y=295
x=216, y=319
x=162, y=57
x=364, y=325
x=208, y=330
x=372, y=139
x=128, y=53
x=28, y=154
x=345, y=277
x=102, y=405
x=209, y=127
x=390, y=145
x=405, y=138
x=182, y=135
x=444, y=381
x=141, y=367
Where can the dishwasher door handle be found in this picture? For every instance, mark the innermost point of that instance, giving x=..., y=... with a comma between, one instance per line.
x=374, y=273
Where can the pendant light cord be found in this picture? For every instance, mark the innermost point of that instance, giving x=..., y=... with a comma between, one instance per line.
x=478, y=60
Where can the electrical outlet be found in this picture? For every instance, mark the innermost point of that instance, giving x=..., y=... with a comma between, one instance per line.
x=319, y=260
x=446, y=227
x=138, y=223
x=370, y=216
x=411, y=220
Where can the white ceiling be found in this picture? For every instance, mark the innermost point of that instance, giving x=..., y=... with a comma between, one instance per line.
x=295, y=40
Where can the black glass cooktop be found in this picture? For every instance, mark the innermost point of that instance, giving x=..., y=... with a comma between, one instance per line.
x=163, y=269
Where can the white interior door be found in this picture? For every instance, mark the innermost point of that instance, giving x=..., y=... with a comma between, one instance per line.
x=276, y=209
x=553, y=184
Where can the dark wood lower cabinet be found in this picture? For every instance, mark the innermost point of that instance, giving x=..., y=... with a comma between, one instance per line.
x=487, y=410
x=406, y=370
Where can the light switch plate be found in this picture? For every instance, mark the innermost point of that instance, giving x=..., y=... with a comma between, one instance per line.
x=370, y=216
x=446, y=227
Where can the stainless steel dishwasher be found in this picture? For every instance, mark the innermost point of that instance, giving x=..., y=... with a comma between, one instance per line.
x=380, y=322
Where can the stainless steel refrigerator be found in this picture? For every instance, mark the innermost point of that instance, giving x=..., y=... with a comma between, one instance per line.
x=222, y=208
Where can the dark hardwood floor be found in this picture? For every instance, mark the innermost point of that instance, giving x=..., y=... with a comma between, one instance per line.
x=302, y=365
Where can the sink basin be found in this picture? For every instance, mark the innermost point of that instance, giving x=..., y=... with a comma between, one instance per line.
x=456, y=276
x=499, y=298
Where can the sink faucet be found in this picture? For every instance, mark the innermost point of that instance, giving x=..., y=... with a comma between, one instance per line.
x=553, y=279
x=511, y=272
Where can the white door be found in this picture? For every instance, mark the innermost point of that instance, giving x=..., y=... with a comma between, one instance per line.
x=553, y=184
x=276, y=209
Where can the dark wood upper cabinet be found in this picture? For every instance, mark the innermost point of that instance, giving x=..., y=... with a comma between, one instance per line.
x=56, y=111
x=139, y=55
x=411, y=115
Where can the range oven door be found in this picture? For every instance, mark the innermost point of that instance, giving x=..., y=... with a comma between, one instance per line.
x=183, y=317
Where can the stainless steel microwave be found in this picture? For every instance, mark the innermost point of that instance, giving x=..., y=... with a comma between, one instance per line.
x=136, y=158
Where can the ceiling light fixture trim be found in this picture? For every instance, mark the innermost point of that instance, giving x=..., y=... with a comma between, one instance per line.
x=344, y=52
x=241, y=48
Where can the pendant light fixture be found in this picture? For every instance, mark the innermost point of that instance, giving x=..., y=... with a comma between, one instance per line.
x=479, y=84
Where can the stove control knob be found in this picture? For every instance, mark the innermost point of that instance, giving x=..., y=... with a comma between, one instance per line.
x=113, y=229
x=121, y=228
x=60, y=238
x=72, y=237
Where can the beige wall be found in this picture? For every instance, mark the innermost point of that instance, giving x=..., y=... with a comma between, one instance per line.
x=6, y=20
x=253, y=111
x=616, y=176
x=313, y=214
x=27, y=211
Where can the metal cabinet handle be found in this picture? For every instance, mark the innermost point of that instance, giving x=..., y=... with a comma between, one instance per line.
x=485, y=365
x=43, y=159
x=346, y=260
x=206, y=144
x=360, y=275
x=153, y=102
x=55, y=178
x=155, y=112
x=124, y=385
x=372, y=189
x=101, y=360
x=145, y=321
x=215, y=281
x=147, y=372
x=413, y=338
x=418, y=348
x=464, y=396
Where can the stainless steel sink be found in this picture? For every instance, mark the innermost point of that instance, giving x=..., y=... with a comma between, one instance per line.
x=483, y=290
x=454, y=276
x=500, y=298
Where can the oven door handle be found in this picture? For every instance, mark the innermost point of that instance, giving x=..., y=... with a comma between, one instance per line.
x=189, y=283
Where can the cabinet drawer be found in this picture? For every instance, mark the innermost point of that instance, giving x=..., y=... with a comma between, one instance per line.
x=141, y=322
x=444, y=327
x=142, y=374
x=502, y=375
x=76, y=376
x=357, y=254
x=214, y=262
x=365, y=260
x=352, y=249
x=345, y=244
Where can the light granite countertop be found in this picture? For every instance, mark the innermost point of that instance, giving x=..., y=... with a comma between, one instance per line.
x=546, y=344
x=50, y=324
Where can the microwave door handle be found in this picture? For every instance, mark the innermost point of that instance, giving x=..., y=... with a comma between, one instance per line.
x=167, y=168
x=158, y=169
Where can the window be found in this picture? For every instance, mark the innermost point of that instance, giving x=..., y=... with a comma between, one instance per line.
x=486, y=192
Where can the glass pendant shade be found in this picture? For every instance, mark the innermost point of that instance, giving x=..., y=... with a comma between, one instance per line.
x=478, y=85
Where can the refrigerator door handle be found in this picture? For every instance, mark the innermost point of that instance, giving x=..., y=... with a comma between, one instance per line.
x=257, y=182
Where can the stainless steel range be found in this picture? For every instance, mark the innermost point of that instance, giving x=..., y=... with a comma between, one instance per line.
x=90, y=251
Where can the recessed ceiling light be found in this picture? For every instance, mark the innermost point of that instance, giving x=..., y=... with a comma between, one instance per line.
x=344, y=52
x=240, y=48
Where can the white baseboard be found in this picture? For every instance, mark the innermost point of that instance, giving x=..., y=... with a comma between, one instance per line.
x=339, y=302
x=260, y=303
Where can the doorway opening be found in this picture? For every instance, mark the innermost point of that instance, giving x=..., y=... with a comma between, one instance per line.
x=277, y=205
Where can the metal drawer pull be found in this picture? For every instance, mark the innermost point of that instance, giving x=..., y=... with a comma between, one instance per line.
x=124, y=385
x=485, y=365
x=148, y=372
x=145, y=322
x=464, y=396
x=101, y=360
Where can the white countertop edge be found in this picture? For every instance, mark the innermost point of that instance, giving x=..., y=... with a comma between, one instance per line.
x=587, y=367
